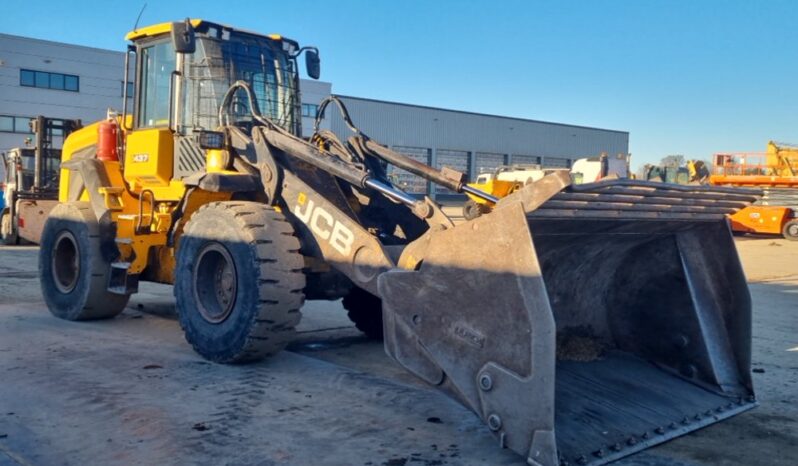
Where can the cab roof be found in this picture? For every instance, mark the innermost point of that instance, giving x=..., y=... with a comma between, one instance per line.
x=164, y=28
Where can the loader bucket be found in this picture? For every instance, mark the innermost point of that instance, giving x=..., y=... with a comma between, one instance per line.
x=582, y=323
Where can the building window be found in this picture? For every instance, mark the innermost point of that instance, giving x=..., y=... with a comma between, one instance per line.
x=42, y=80
x=58, y=131
x=26, y=78
x=46, y=80
x=310, y=110
x=71, y=83
x=7, y=124
x=129, y=89
x=15, y=124
x=56, y=81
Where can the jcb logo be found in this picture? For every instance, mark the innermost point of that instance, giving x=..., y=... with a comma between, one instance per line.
x=324, y=225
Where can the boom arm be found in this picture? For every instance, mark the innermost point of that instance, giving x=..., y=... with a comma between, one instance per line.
x=300, y=149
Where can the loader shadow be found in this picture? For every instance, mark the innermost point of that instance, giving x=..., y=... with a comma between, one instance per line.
x=154, y=299
x=324, y=325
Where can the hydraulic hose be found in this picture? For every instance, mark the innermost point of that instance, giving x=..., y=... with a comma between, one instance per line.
x=363, y=144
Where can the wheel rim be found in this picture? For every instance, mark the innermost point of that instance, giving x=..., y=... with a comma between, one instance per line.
x=792, y=230
x=215, y=283
x=65, y=262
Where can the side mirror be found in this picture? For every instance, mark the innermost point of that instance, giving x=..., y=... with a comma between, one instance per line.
x=183, y=37
x=313, y=63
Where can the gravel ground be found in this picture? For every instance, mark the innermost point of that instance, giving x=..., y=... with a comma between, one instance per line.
x=131, y=391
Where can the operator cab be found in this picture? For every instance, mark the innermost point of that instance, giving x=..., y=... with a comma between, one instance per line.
x=183, y=71
x=484, y=178
x=20, y=169
x=19, y=166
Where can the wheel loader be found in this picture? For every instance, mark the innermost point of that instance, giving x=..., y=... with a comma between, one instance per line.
x=580, y=323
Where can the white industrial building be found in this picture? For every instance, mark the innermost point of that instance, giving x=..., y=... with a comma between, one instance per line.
x=39, y=77
x=58, y=80
x=472, y=143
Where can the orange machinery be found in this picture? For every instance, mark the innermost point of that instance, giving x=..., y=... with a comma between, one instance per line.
x=776, y=172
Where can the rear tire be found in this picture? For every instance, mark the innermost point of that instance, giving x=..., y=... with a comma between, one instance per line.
x=790, y=230
x=365, y=310
x=238, y=281
x=73, y=271
x=7, y=233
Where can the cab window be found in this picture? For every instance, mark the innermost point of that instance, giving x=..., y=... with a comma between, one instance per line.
x=157, y=65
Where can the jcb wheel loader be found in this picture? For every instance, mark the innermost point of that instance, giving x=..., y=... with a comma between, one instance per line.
x=580, y=323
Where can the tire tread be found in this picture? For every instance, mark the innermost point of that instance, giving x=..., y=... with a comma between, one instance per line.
x=281, y=281
x=365, y=311
x=99, y=302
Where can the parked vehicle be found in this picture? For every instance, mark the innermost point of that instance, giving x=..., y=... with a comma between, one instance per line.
x=32, y=181
x=776, y=173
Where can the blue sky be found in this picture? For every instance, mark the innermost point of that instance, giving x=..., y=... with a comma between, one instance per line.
x=683, y=77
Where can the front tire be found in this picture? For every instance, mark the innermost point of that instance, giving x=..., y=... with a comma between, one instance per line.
x=7, y=231
x=472, y=209
x=365, y=310
x=238, y=281
x=790, y=230
x=73, y=270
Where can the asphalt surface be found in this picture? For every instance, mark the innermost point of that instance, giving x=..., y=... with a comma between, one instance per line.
x=131, y=391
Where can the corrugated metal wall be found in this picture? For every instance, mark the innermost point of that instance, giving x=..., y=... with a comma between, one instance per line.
x=406, y=180
x=473, y=143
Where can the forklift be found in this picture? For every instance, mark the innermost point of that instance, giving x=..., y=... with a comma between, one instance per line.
x=31, y=181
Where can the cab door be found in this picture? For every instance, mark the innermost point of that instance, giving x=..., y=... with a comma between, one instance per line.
x=149, y=150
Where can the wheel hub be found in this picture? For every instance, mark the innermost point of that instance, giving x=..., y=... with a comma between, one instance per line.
x=215, y=283
x=65, y=265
